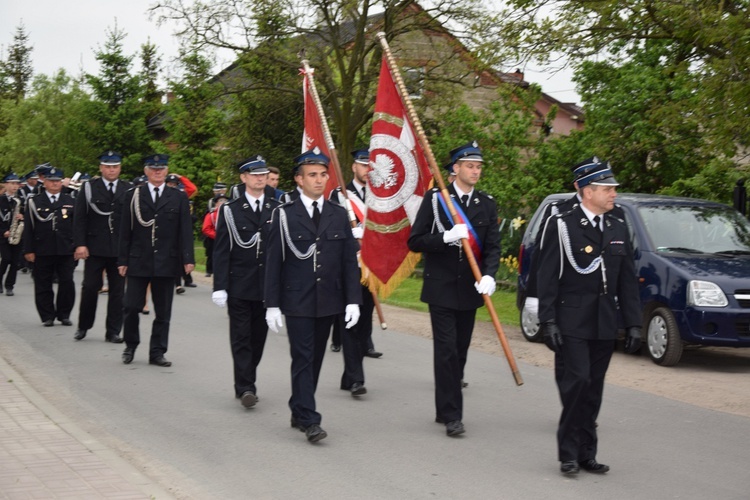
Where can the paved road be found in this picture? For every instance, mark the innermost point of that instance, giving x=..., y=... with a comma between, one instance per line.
x=182, y=426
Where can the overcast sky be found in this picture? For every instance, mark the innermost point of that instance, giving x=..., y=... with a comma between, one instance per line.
x=66, y=33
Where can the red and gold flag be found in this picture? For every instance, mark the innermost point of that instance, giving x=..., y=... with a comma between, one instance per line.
x=399, y=177
x=313, y=134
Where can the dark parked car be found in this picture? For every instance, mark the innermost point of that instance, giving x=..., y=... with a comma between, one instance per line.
x=692, y=259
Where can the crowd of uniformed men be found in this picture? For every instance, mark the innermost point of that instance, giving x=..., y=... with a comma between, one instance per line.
x=292, y=257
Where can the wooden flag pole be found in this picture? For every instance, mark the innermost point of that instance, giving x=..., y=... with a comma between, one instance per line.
x=414, y=119
x=337, y=170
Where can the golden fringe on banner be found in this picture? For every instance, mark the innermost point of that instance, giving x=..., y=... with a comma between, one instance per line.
x=384, y=290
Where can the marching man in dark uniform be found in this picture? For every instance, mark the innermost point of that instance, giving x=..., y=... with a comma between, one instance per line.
x=357, y=341
x=449, y=287
x=96, y=230
x=311, y=276
x=48, y=244
x=239, y=272
x=586, y=271
x=156, y=246
x=11, y=216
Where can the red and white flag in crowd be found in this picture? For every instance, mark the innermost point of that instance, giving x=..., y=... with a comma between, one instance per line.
x=313, y=134
x=399, y=177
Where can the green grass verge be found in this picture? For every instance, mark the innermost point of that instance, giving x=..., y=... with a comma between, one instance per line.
x=407, y=295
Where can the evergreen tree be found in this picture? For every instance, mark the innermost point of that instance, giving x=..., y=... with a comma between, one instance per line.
x=17, y=70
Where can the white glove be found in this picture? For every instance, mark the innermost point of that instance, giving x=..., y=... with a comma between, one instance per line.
x=358, y=232
x=220, y=298
x=351, y=316
x=532, y=305
x=273, y=319
x=485, y=286
x=457, y=232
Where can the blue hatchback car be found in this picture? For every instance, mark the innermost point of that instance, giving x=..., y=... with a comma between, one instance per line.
x=692, y=259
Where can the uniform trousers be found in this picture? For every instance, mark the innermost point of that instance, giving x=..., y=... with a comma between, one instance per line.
x=356, y=341
x=247, y=336
x=162, y=293
x=451, y=336
x=92, y=283
x=581, y=387
x=10, y=257
x=46, y=268
x=208, y=244
x=307, y=345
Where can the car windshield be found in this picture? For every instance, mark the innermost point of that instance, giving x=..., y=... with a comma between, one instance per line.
x=696, y=229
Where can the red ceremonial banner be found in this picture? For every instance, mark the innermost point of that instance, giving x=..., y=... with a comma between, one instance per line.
x=399, y=176
x=313, y=135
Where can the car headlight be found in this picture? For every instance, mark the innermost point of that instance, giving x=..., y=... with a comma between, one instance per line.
x=705, y=294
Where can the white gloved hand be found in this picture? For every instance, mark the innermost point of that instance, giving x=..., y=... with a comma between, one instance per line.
x=273, y=319
x=358, y=232
x=457, y=232
x=485, y=286
x=220, y=298
x=532, y=305
x=351, y=315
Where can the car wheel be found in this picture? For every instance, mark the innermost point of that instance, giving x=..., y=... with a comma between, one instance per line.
x=530, y=326
x=663, y=338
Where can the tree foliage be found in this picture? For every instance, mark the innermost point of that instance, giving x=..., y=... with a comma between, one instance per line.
x=51, y=125
x=338, y=40
x=117, y=107
x=16, y=71
x=665, y=83
x=194, y=122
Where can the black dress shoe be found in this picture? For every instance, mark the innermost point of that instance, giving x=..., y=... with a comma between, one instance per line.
x=358, y=389
x=335, y=347
x=160, y=361
x=372, y=353
x=180, y=290
x=66, y=322
x=9, y=292
x=591, y=465
x=248, y=399
x=297, y=425
x=454, y=428
x=127, y=355
x=190, y=285
x=569, y=468
x=115, y=339
x=80, y=334
x=49, y=322
x=315, y=433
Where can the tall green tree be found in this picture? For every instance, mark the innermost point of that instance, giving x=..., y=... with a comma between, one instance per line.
x=150, y=68
x=17, y=69
x=117, y=107
x=194, y=122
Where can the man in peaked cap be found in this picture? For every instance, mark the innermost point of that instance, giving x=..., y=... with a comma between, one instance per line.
x=580, y=294
x=311, y=277
x=449, y=286
x=48, y=244
x=96, y=231
x=155, y=247
x=357, y=341
x=11, y=208
x=242, y=233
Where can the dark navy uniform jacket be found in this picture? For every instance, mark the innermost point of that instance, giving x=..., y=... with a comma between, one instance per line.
x=292, y=283
x=448, y=280
x=579, y=303
x=241, y=271
x=54, y=237
x=93, y=230
x=172, y=245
